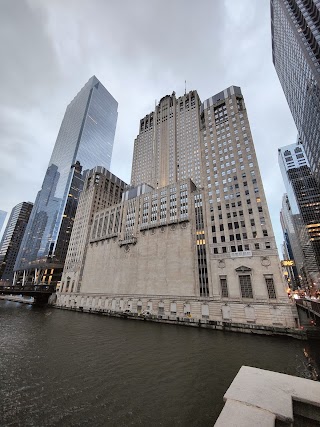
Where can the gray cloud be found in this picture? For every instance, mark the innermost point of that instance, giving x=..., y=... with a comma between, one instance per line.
x=140, y=51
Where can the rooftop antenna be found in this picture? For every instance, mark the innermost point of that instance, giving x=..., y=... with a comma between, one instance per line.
x=185, y=87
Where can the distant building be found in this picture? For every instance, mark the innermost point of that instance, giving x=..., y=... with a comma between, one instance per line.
x=12, y=238
x=304, y=200
x=292, y=250
x=204, y=251
x=296, y=57
x=101, y=190
x=85, y=140
x=3, y=216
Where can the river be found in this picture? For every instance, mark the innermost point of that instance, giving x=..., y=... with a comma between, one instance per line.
x=62, y=368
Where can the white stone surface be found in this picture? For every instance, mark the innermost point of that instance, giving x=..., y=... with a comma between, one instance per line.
x=256, y=389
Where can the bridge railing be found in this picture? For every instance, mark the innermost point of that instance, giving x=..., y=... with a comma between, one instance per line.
x=28, y=288
x=313, y=305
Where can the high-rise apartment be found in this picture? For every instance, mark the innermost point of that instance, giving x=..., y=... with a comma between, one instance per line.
x=12, y=238
x=295, y=26
x=304, y=199
x=85, y=140
x=167, y=148
x=201, y=252
x=101, y=190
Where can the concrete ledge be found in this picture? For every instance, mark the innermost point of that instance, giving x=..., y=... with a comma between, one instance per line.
x=260, y=397
x=198, y=323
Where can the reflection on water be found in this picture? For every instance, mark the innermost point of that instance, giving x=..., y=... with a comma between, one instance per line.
x=61, y=368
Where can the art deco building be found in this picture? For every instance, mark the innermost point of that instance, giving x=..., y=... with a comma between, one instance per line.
x=295, y=26
x=85, y=140
x=304, y=199
x=167, y=148
x=204, y=251
x=12, y=238
x=101, y=190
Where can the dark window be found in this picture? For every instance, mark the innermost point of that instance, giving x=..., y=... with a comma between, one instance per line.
x=248, y=202
x=224, y=287
x=268, y=246
x=265, y=233
x=214, y=240
x=221, y=227
x=233, y=205
x=246, y=247
x=245, y=286
x=223, y=239
x=235, y=214
x=244, y=235
x=236, y=225
x=254, y=234
x=241, y=213
x=230, y=225
x=257, y=246
x=215, y=250
x=271, y=288
x=239, y=204
x=233, y=249
x=231, y=237
x=220, y=216
x=238, y=236
x=213, y=228
x=250, y=210
x=252, y=222
x=260, y=208
x=240, y=249
x=224, y=249
x=219, y=208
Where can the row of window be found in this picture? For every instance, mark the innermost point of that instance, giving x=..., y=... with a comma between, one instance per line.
x=246, y=286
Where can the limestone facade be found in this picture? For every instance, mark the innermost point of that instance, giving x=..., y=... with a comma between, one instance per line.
x=204, y=252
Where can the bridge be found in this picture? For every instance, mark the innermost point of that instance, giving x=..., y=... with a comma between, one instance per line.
x=309, y=315
x=40, y=293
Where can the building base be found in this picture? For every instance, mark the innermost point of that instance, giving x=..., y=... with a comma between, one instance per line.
x=123, y=308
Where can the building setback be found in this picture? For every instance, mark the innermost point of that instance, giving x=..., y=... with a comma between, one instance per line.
x=304, y=200
x=12, y=238
x=85, y=140
x=203, y=251
x=167, y=148
x=296, y=57
x=101, y=189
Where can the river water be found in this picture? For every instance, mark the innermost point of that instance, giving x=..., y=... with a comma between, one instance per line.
x=62, y=368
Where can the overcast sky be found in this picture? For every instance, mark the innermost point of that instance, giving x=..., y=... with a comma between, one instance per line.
x=141, y=50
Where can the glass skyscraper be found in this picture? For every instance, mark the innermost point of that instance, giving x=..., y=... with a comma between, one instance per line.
x=12, y=238
x=85, y=140
x=295, y=26
x=304, y=201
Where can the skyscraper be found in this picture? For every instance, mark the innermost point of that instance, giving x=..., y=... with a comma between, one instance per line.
x=167, y=148
x=12, y=238
x=296, y=57
x=85, y=140
x=304, y=199
x=101, y=189
x=202, y=252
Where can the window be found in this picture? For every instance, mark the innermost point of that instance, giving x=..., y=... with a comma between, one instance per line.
x=224, y=287
x=215, y=250
x=233, y=249
x=214, y=240
x=231, y=237
x=221, y=227
x=246, y=247
x=268, y=246
x=270, y=287
x=230, y=225
x=257, y=246
x=224, y=249
x=265, y=233
x=254, y=234
x=245, y=286
x=213, y=228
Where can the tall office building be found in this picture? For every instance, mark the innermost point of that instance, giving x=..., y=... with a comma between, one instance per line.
x=202, y=251
x=295, y=26
x=304, y=200
x=101, y=190
x=85, y=140
x=12, y=238
x=3, y=216
x=167, y=148
x=292, y=250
